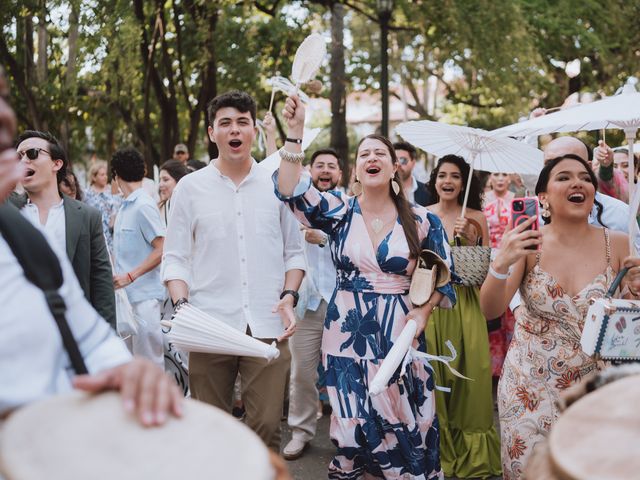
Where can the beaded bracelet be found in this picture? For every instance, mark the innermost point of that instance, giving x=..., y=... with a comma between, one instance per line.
x=291, y=157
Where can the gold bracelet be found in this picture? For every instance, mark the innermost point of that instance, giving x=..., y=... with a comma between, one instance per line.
x=433, y=307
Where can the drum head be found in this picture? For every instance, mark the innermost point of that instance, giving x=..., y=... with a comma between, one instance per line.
x=80, y=437
x=598, y=436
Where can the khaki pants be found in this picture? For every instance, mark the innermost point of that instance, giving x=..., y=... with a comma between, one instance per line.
x=303, y=393
x=212, y=377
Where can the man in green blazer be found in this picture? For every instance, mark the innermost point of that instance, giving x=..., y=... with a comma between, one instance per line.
x=71, y=225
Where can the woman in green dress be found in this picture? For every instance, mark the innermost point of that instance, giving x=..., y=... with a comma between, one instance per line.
x=469, y=443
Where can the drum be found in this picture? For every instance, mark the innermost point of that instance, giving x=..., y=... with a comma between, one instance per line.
x=79, y=437
x=598, y=436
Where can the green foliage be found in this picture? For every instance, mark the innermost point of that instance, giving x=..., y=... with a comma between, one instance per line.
x=145, y=69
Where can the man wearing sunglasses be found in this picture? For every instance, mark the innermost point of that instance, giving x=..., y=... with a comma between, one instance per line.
x=73, y=225
x=415, y=191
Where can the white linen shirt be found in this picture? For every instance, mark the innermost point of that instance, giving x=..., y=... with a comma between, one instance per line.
x=33, y=361
x=232, y=246
x=321, y=275
x=55, y=226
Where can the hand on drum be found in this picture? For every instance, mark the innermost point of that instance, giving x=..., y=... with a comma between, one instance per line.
x=144, y=387
x=514, y=245
x=285, y=308
x=633, y=275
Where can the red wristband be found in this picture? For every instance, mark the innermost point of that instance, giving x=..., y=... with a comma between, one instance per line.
x=130, y=277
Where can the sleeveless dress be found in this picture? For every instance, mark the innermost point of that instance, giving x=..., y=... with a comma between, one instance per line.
x=544, y=358
x=469, y=443
x=395, y=434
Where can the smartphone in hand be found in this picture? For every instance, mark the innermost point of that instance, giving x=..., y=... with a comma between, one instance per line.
x=521, y=210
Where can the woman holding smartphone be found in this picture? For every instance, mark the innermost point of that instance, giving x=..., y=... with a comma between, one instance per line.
x=469, y=443
x=558, y=270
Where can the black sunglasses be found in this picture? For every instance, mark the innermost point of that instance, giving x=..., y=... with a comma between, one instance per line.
x=32, y=153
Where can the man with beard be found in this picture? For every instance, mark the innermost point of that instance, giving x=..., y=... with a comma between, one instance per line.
x=415, y=191
x=317, y=289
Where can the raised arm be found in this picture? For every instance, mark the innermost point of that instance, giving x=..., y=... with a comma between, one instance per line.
x=508, y=269
x=292, y=156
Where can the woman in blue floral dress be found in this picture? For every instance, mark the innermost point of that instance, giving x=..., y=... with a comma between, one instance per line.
x=374, y=240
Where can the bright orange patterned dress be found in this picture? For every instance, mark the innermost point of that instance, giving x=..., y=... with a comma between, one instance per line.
x=544, y=358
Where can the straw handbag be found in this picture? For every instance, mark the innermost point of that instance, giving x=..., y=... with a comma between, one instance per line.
x=431, y=272
x=471, y=263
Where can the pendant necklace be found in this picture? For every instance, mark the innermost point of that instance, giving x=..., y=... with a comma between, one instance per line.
x=377, y=225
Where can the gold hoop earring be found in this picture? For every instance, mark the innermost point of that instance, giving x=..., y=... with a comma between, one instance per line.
x=356, y=188
x=395, y=187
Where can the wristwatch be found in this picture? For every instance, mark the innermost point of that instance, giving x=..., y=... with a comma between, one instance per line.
x=178, y=303
x=324, y=241
x=293, y=293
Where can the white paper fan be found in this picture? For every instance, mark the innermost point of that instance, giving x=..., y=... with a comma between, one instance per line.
x=308, y=59
x=287, y=87
x=193, y=330
x=394, y=358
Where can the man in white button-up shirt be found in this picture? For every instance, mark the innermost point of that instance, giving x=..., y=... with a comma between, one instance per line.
x=319, y=285
x=233, y=250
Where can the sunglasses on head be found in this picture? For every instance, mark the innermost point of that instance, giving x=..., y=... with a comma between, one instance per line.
x=32, y=153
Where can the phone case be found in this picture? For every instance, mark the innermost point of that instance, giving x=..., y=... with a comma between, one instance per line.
x=521, y=210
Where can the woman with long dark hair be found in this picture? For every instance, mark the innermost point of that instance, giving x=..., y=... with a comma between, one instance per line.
x=469, y=443
x=171, y=172
x=375, y=238
x=558, y=270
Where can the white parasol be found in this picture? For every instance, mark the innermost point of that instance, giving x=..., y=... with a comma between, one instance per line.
x=620, y=111
x=402, y=352
x=483, y=150
x=193, y=330
x=272, y=162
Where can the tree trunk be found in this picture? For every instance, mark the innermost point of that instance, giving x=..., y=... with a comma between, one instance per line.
x=42, y=42
x=70, y=76
x=338, y=95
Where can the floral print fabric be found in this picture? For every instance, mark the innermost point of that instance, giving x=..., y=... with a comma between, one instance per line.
x=497, y=210
x=108, y=205
x=544, y=358
x=395, y=434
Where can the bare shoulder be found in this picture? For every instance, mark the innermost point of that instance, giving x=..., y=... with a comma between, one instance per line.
x=619, y=243
x=477, y=215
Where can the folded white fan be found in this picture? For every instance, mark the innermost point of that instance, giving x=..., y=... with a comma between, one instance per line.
x=402, y=353
x=193, y=330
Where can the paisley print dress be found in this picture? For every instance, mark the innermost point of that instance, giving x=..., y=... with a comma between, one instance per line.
x=544, y=358
x=393, y=435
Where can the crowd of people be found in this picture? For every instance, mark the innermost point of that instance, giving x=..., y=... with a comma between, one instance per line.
x=323, y=270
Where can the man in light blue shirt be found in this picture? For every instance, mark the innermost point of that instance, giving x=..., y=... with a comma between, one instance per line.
x=138, y=238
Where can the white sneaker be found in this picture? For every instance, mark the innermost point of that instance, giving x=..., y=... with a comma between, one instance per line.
x=294, y=449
